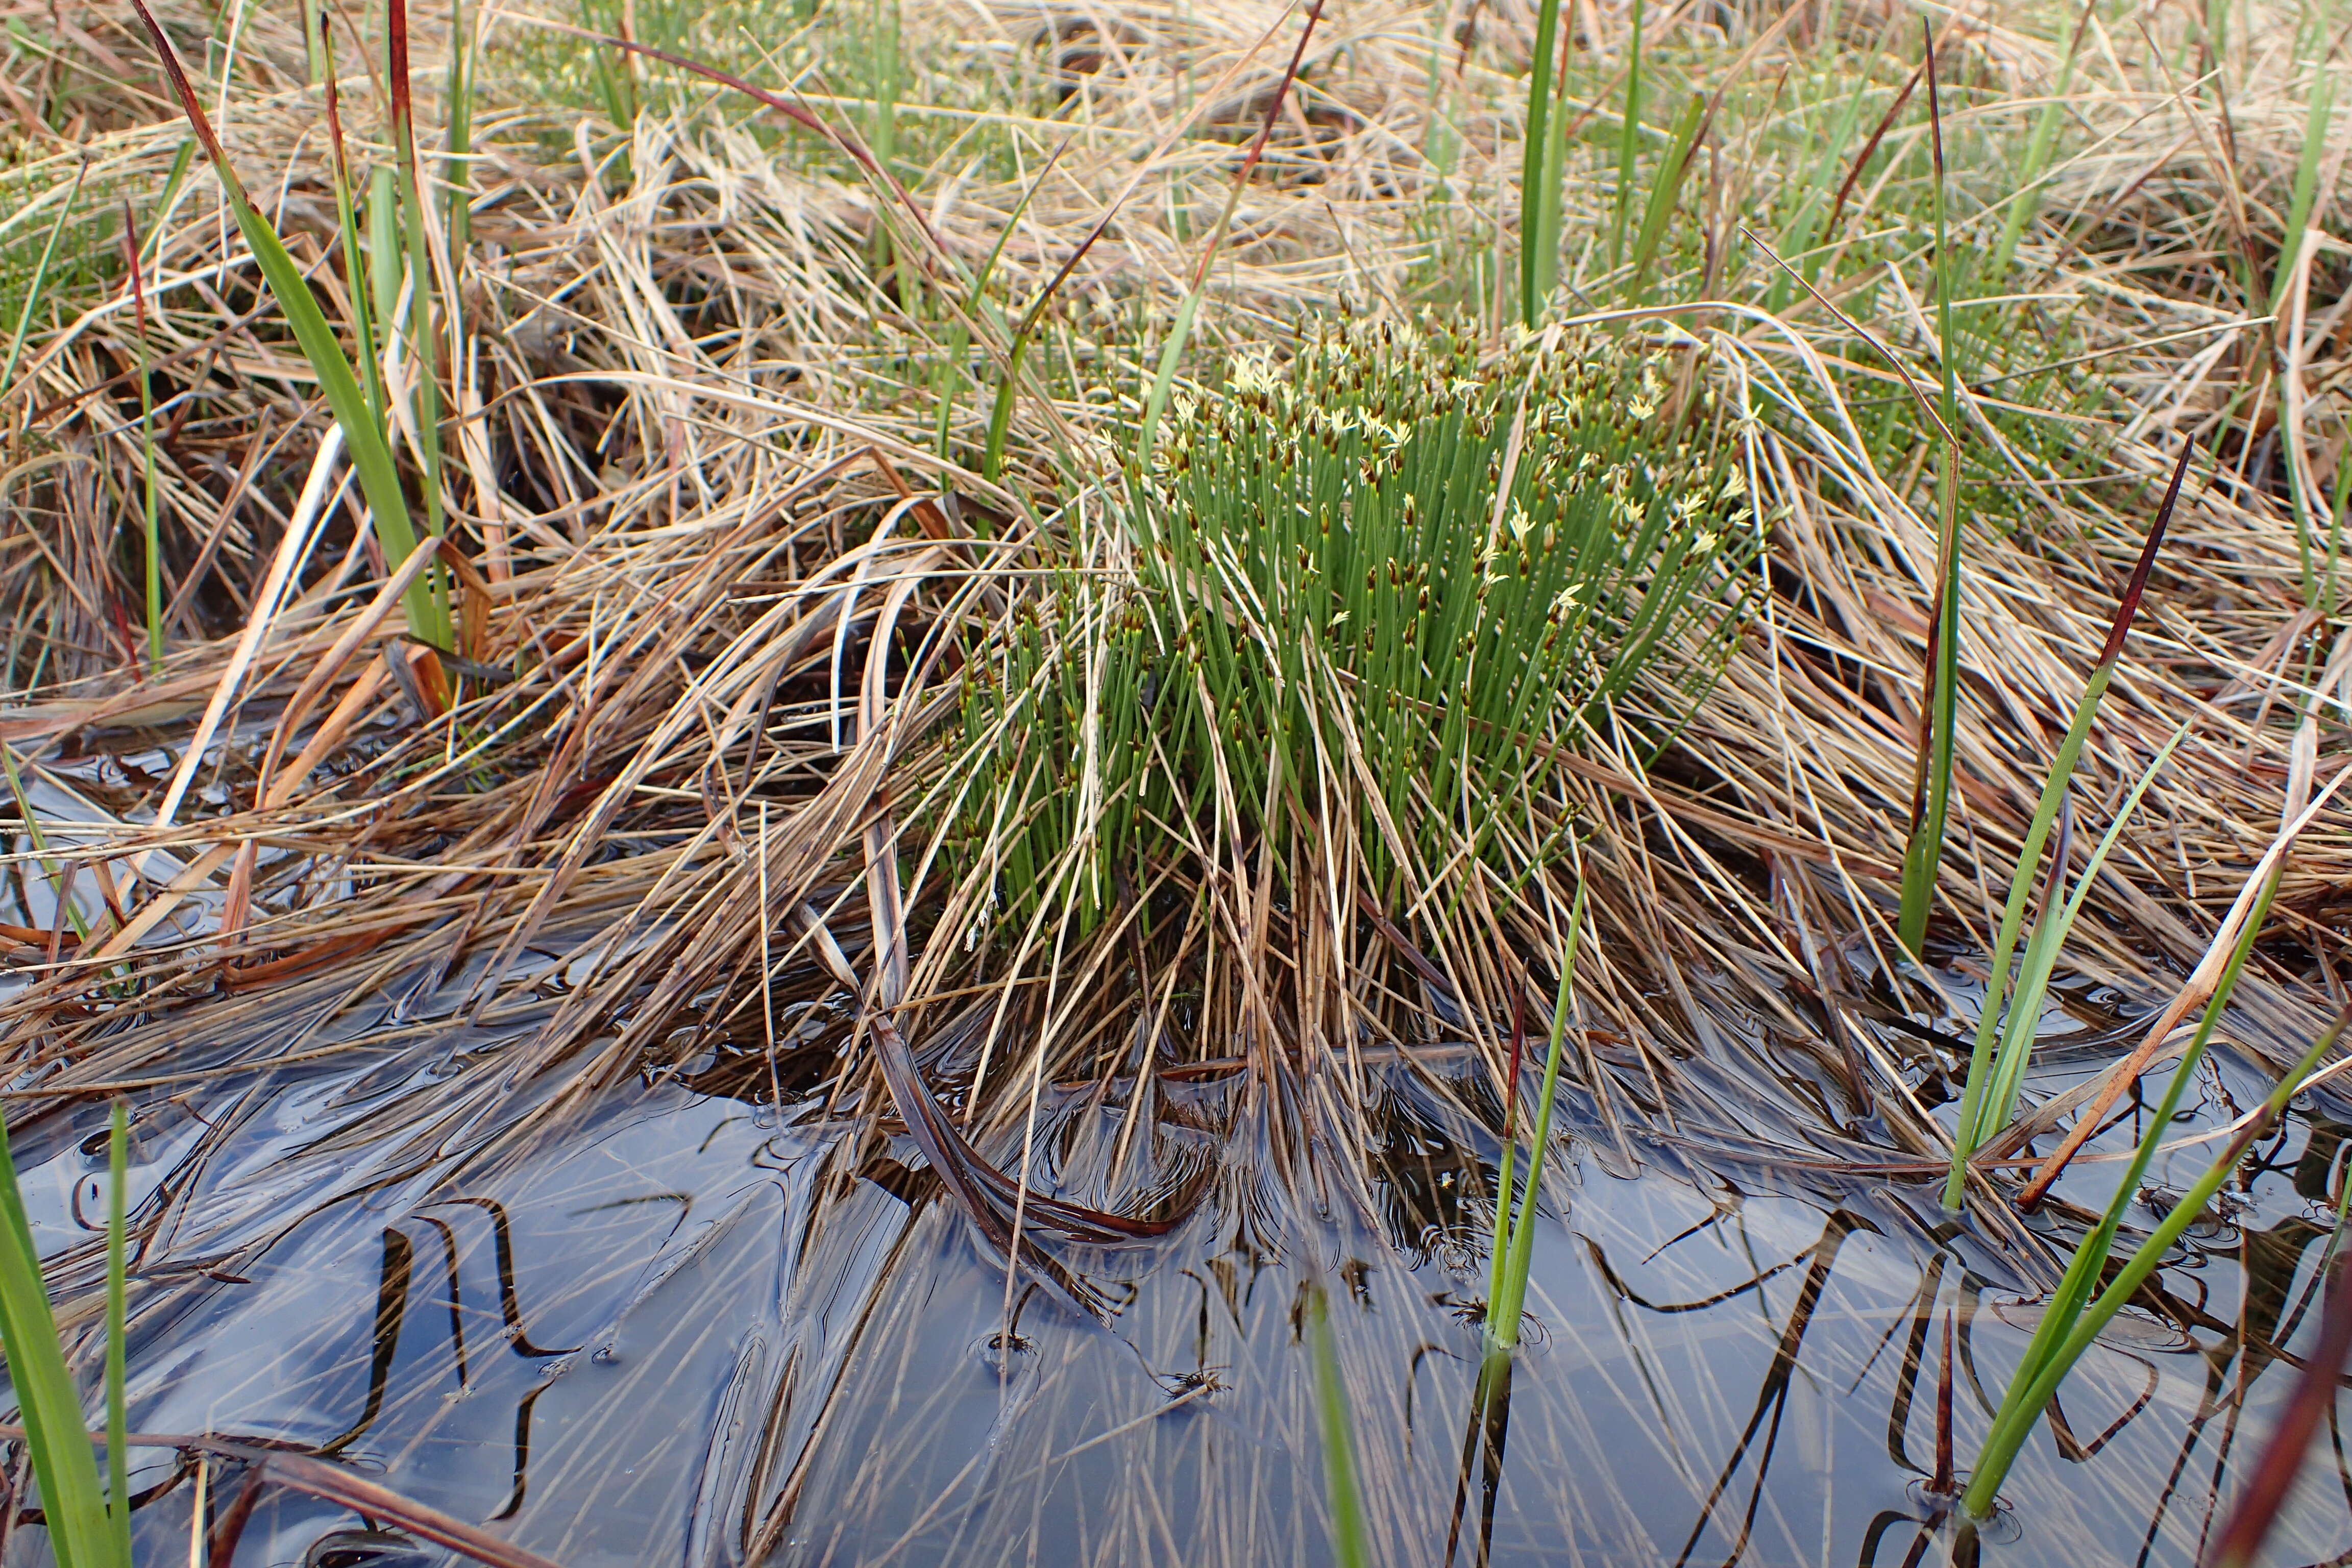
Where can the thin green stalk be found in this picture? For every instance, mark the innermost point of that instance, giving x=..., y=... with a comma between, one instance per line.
x=40, y=281
x=371, y=452
x=420, y=298
x=174, y=182
x=1966, y=1135
x=2037, y=1379
x=1629, y=136
x=2028, y=200
x=40, y=840
x=1507, y=1292
x=64, y=1460
x=1930, y=812
x=362, y=268
x=1339, y=1437
x=118, y=1421
x=1665, y=192
x=1539, y=175
x=457, y=165
x=2318, y=115
x=2042, y=955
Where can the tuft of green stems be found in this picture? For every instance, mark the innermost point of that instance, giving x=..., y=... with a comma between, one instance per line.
x=1975, y=1124
x=2073, y=1319
x=88, y=1527
x=1513, y=1252
x=1393, y=575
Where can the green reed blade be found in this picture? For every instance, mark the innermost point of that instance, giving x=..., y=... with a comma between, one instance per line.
x=1968, y=1135
x=1339, y=1472
x=2041, y=961
x=118, y=1421
x=1629, y=136
x=1932, y=774
x=371, y=452
x=1507, y=1302
x=2036, y=1381
x=1665, y=192
x=56, y=1433
x=1538, y=175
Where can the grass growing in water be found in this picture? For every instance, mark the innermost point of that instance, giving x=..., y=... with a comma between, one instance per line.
x=88, y=1527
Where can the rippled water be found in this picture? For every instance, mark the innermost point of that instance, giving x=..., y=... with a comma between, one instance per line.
x=664, y=1323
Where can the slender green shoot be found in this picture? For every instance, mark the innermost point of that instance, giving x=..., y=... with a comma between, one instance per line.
x=458, y=165
x=1539, y=175
x=1931, y=791
x=2030, y=183
x=57, y=1436
x=2318, y=113
x=1971, y=1131
x=363, y=269
x=32, y=822
x=118, y=1421
x=1629, y=136
x=421, y=297
x=2041, y=961
x=1514, y=1255
x=1338, y=1436
x=1665, y=192
x=41, y=280
x=371, y=450
x=2069, y=1326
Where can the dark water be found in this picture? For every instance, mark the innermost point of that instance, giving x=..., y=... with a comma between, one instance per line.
x=663, y=1323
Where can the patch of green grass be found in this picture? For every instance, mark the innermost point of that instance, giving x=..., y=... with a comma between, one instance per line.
x=1393, y=575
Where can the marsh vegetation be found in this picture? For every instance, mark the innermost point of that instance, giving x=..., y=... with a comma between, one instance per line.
x=852, y=782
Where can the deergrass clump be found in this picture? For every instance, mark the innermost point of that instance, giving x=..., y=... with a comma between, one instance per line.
x=1395, y=571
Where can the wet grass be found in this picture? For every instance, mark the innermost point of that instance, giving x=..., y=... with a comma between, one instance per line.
x=1237, y=538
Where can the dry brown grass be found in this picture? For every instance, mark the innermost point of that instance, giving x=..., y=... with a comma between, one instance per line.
x=708, y=527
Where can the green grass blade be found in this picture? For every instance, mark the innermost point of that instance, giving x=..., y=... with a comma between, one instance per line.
x=56, y=1433
x=2317, y=116
x=2042, y=957
x=41, y=280
x=1629, y=136
x=2028, y=200
x=1339, y=1438
x=1665, y=192
x=1539, y=238
x=371, y=452
x=150, y=529
x=118, y=1422
x=457, y=166
x=1924, y=853
x=2029, y=1395
x=421, y=294
x=1966, y=1138
x=1504, y=1309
